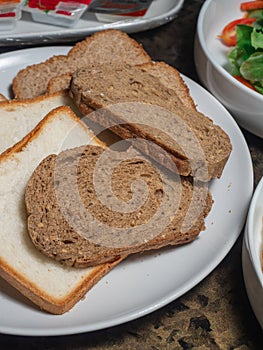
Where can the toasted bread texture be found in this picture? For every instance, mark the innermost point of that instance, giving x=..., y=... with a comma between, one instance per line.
x=46, y=283
x=102, y=47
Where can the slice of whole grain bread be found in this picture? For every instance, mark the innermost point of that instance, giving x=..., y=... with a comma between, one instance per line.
x=102, y=47
x=133, y=102
x=59, y=83
x=168, y=76
x=76, y=218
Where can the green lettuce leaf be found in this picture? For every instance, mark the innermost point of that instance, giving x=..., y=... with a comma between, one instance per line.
x=244, y=37
x=258, y=14
x=236, y=57
x=246, y=58
x=257, y=38
x=252, y=68
x=259, y=88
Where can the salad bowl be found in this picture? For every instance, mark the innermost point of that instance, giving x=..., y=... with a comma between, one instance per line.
x=214, y=69
x=252, y=257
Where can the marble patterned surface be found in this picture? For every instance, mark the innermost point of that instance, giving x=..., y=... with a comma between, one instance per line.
x=216, y=314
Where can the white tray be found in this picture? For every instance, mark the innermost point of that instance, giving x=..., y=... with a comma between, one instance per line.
x=29, y=32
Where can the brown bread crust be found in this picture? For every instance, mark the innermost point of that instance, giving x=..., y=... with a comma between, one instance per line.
x=102, y=86
x=102, y=47
x=167, y=75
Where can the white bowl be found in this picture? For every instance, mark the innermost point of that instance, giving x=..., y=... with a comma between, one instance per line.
x=211, y=62
x=252, y=253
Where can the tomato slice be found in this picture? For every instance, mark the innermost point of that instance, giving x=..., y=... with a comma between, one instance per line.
x=229, y=34
x=244, y=81
x=251, y=5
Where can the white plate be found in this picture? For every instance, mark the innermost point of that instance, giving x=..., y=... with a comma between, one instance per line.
x=143, y=283
x=29, y=32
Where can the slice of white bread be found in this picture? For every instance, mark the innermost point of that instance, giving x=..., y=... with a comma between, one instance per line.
x=48, y=284
x=2, y=98
x=18, y=118
x=106, y=46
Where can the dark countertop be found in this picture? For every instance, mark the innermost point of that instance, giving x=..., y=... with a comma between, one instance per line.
x=215, y=314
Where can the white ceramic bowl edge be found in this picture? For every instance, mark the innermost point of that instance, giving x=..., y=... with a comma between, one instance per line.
x=211, y=61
